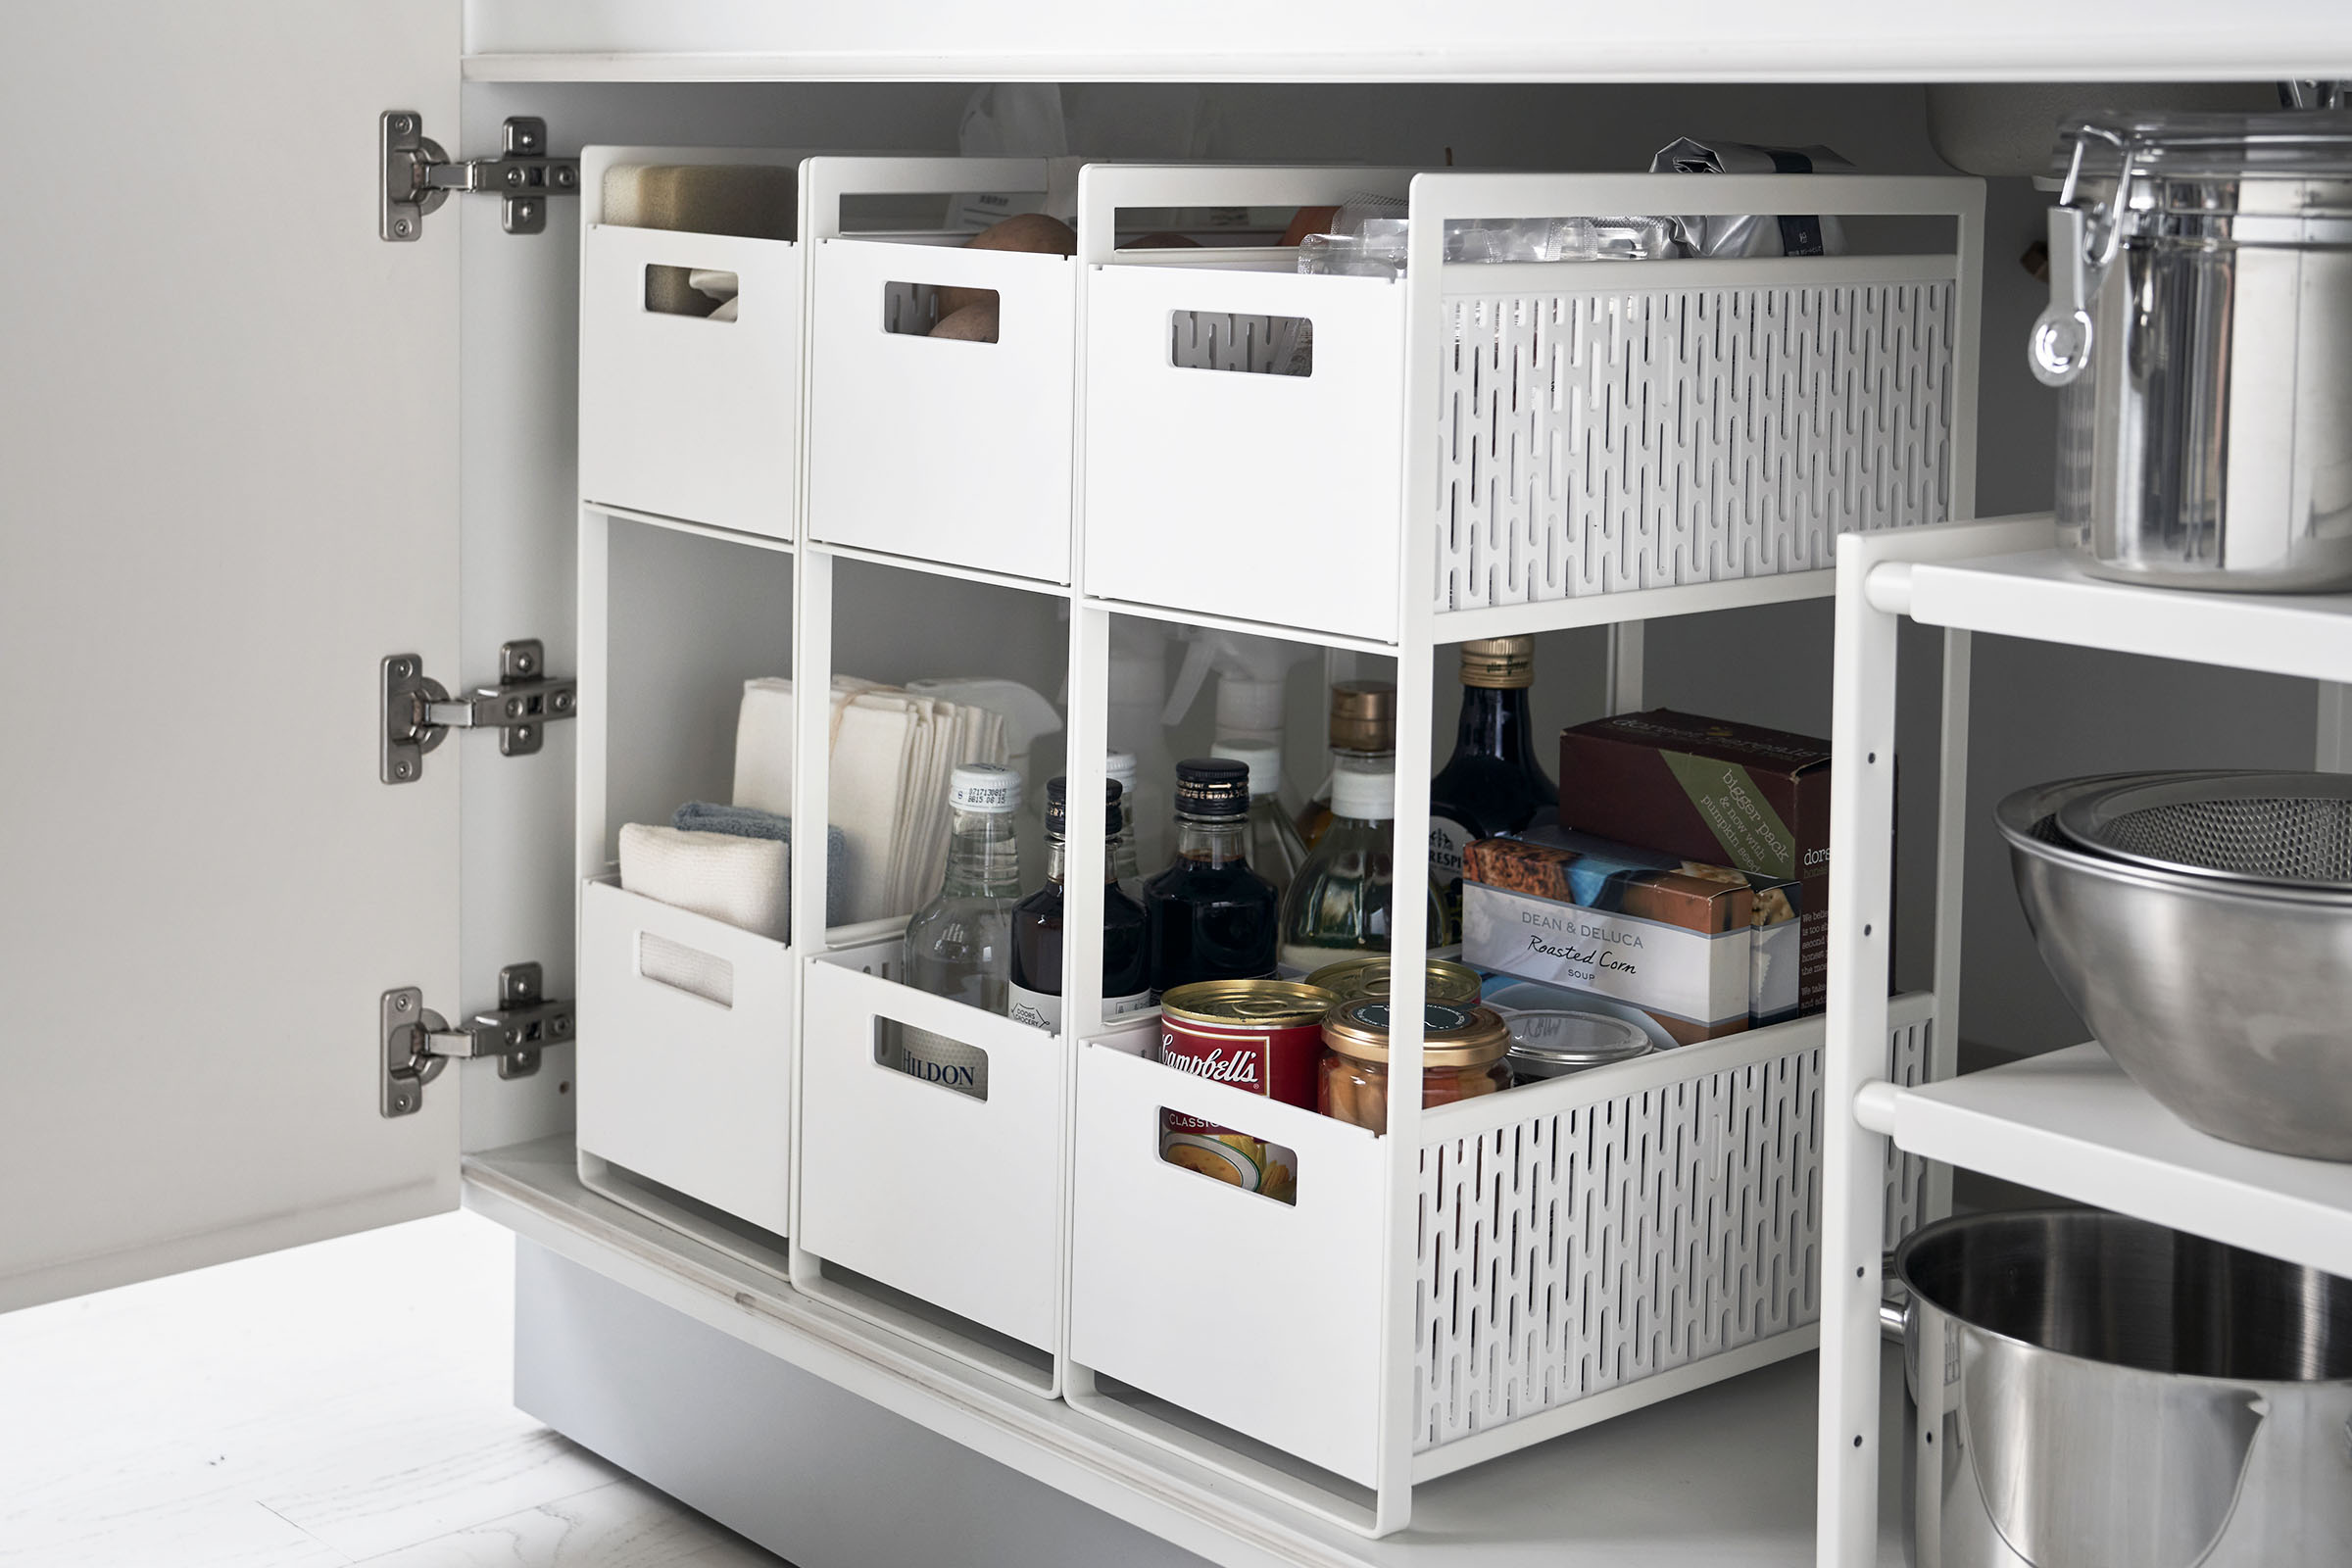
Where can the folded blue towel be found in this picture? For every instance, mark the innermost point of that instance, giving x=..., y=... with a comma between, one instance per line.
x=747, y=822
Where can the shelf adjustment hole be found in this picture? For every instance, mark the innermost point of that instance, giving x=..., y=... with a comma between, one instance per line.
x=1857, y=1440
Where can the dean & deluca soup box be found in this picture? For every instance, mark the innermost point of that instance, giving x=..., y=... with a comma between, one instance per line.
x=1733, y=794
x=1704, y=950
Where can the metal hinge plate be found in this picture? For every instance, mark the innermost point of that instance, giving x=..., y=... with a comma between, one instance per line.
x=418, y=712
x=418, y=1043
x=415, y=175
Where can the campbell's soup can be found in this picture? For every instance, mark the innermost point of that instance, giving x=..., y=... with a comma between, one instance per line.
x=1262, y=1037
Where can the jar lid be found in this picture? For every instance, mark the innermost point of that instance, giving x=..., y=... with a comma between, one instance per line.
x=1246, y=1003
x=1368, y=976
x=1553, y=1043
x=2291, y=144
x=1212, y=786
x=991, y=788
x=1057, y=812
x=1499, y=662
x=1451, y=1036
x=1122, y=767
x=1363, y=715
x=1263, y=759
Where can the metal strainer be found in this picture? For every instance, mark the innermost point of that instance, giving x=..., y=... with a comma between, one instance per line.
x=2274, y=829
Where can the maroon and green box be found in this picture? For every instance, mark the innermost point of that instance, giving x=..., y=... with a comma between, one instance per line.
x=1733, y=794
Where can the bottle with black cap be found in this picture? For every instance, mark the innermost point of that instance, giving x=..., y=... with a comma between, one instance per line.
x=1209, y=915
x=1492, y=783
x=1037, y=926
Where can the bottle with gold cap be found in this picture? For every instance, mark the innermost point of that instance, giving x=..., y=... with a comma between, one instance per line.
x=1493, y=784
x=1363, y=733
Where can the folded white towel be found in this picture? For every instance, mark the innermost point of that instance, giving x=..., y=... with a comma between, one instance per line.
x=763, y=746
x=744, y=882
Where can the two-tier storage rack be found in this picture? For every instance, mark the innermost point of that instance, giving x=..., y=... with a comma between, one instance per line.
x=2069, y=1122
x=1377, y=466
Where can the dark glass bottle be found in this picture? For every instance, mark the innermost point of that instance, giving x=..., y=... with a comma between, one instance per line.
x=1209, y=916
x=1493, y=784
x=1036, y=927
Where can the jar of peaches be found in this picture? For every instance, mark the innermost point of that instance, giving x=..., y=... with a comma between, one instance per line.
x=1462, y=1052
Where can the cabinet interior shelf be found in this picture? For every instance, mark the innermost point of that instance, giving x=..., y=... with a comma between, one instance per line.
x=2074, y=1123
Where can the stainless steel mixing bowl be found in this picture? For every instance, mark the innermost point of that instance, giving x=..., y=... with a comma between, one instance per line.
x=2230, y=1004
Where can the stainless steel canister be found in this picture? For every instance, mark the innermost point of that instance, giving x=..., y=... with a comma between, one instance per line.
x=2200, y=331
x=2097, y=1392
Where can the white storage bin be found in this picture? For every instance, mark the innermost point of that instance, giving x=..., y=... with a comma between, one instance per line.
x=1587, y=1245
x=1552, y=430
x=951, y=1201
x=684, y=1057
x=939, y=449
x=683, y=416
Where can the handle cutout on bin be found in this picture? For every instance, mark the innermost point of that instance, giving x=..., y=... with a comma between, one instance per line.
x=1240, y=1161
x=684, y=969
x=703, y=291
x=1255, y=345
x=932, y=1059
x=940, y=310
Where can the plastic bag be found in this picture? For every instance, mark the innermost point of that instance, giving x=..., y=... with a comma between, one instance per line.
x=1754, y=234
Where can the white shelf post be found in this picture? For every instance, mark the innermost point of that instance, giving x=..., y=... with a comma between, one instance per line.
x=1854, y=1190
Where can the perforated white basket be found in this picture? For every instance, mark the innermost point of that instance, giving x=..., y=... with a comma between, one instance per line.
x=1585, y=1246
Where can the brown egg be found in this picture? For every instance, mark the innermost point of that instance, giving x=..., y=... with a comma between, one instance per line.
x=1166, y=239
x=1309, y=221
x=1034, y=232
x=974, y=323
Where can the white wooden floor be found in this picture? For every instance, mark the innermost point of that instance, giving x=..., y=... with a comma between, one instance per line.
x=334, y=1404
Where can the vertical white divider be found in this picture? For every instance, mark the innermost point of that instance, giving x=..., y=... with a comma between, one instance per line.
x=1083, y=864
x=1086, y=728
x=1968, y=311
x=1408, y=906
x=811, y=805
x=1854, y=1190
x=1951, y=878
x=813, y=736
x=594, y=731
x=1625, y=667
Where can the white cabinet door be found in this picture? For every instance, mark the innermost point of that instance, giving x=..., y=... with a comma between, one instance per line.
x=229, y=487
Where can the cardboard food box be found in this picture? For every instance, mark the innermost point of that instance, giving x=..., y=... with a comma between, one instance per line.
x=1745, y=797
x=1704, y=950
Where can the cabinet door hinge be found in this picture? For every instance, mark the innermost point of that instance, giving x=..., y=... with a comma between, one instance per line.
x=418, y=1043
x=418, y=711
x=416, y=175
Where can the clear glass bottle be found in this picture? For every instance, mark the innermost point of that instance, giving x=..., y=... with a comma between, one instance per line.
x=1273, y=846
x=1034, y=996
x=1339, y=904
x=1120, y=768
x=1493, y=783
x=1363, y=727
x=960, y=945
x=1209, y=915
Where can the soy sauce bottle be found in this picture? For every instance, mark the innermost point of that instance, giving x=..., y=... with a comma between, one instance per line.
x=1034, y=996
x=1209, y=917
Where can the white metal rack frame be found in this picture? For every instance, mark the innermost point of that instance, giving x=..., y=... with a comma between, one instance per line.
x=1374, y=1409
x=2070, y=1122
x=1368, y=1422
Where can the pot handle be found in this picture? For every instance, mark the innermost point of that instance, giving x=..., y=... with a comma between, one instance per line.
x=1894, y=1300
x=2084, y=242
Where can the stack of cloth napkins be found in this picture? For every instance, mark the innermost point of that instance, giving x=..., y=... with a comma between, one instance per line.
x=892, y=754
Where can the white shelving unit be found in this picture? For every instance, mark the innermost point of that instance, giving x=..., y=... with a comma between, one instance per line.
x=2069, y=1122
x=1737, y=416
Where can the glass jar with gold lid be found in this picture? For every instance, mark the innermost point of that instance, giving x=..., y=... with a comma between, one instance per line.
x=1462, y=1052
x=1368, y=976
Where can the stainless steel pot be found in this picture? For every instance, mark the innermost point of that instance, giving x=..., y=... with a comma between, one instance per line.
x=2200, y=329
x=2097, y=1392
